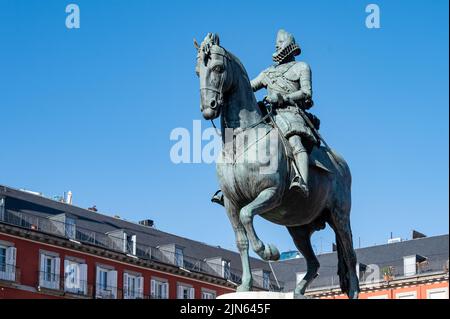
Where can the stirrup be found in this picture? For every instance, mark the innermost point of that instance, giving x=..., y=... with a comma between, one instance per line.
x=300, y=186
x=218, y=199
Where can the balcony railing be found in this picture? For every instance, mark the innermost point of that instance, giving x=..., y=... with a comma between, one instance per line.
x=108, y=241
x=9, y=273
x=63, y=284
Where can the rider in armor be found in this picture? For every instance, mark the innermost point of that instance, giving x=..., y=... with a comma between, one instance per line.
x=289, y=87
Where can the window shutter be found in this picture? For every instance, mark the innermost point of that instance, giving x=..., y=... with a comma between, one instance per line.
x=125, y=242
x=191, y=293
x=180, y=292
x=153, y=292
x=42, y=271
x=165, y=290
x=112, y=282
x=133, y=239
x=83, y=278
x=125, y=285
x=67, y=283
x=97, y=282
x=11, y=263
x=140, y=287
x=57, y=262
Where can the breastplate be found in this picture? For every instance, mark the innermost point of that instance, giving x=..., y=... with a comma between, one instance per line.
x=277, y=81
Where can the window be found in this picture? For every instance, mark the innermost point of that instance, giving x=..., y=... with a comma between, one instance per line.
x=208, y=294
x=49, y=271
x=185, y=292
x=2, y=259
x=2, y=209
x=437, y=293
x=407, y=295
x=266, y=280
x=159, y=289
x=361, y=271
x=226, y=269
x=7, y=263
x=409, y=265
x=70, y=226
x=106, y=283
x=129, y=244
x=75, y=277
x=133, y=286
x=179, y=257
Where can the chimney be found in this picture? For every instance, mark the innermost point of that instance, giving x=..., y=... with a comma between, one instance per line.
x=68, y=197
x=146, y=223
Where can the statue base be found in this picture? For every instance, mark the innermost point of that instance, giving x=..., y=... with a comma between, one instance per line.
x=260, y=295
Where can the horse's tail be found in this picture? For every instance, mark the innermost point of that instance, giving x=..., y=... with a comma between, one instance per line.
x=341, y=215
x=342, y=270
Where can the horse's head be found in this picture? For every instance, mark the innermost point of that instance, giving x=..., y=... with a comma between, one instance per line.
x=213, y=69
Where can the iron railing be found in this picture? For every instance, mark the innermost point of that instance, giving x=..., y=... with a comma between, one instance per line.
x=63, y=284
x=9, y=273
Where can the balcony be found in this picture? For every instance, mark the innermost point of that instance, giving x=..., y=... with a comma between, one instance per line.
x=63, y=285
x=110, y=241
x=9, y=274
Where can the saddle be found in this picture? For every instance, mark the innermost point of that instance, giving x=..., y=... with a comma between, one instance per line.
x=287, y=147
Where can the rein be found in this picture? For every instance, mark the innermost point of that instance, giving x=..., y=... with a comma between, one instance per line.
x=239, y=129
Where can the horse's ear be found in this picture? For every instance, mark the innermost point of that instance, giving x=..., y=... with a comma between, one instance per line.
x=196, y=46
x=216, y=39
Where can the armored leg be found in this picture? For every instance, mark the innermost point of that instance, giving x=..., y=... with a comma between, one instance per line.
x=301, y=166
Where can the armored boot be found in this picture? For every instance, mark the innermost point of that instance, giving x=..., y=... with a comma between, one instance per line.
x=301, y=166
x=218, y=198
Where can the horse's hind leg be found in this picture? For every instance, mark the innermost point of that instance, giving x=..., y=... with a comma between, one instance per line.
x=340, y=222
x=266, y=200
x=302, y=239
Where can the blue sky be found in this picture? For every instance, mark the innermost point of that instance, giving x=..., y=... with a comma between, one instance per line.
x=91, y=110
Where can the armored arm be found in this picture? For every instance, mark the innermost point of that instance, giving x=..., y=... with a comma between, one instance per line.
x=305, y=93
x=258, y=82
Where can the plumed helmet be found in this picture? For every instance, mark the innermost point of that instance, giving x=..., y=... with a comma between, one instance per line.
x=285, y=46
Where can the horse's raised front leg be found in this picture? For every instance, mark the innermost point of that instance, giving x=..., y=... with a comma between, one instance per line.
x=266, y=200
x=242, y=245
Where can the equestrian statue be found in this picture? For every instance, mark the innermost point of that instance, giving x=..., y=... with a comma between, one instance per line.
x=311, y=183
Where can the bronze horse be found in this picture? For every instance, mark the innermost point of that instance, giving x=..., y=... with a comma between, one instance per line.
x=225, y=91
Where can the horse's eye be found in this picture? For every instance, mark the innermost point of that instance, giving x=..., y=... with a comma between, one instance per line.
x=218, y=68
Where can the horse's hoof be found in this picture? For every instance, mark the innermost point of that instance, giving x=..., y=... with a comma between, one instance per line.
x=353, y=295
x=243, y=288
x=300, y=296
x=271, y=252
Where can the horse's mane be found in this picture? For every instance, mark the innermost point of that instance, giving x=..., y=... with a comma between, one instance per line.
x=238, y=62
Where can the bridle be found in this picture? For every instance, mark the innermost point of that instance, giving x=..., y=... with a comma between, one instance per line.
x=218, y=90
x=220, y=101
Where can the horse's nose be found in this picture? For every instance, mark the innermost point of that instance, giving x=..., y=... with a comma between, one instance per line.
x=213, y=104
